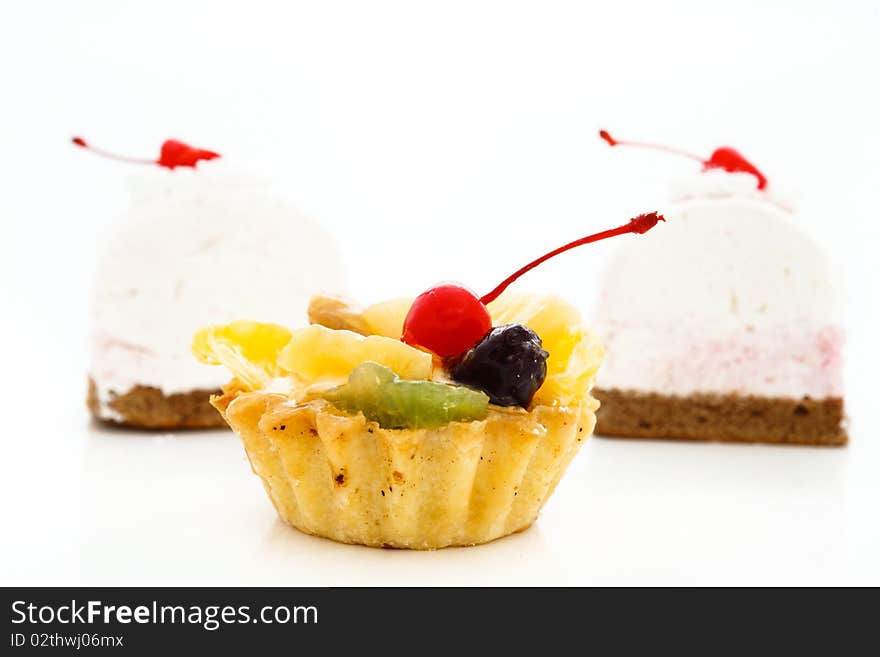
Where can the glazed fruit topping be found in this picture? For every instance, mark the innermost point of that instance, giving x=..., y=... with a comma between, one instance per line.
x=173, y=154
x=378, y=393
x=257, y=353
x=725, y=158
x=509, y=364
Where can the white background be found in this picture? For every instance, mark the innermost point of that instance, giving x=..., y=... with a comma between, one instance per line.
x=448, y=140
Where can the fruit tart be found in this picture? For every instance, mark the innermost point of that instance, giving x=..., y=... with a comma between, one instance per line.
x=440, y=421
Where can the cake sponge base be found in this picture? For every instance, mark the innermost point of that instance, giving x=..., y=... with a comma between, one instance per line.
x=146, y=407
x=717, y=417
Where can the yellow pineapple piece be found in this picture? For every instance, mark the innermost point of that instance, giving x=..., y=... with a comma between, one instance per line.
x=248, y=349
x=572, y=379
x=386, y=318
x=316, y=353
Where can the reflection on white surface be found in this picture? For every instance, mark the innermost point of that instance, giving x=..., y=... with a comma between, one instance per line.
x=171, y=508
x=185, y=509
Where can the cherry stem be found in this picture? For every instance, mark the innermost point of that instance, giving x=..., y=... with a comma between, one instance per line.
x=657, y=147
x=82, y=143
x=641, y=224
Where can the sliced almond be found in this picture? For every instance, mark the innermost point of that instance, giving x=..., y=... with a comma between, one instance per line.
x=337, y=312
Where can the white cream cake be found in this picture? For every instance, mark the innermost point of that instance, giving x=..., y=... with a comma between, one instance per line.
x=157, y=282
x=724, y=326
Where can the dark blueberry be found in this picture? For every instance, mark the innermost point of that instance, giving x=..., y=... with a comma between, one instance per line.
x=508, y=364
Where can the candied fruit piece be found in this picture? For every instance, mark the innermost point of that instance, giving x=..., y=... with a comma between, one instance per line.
x=378, y=393
x=248, y=349
x=317, y=353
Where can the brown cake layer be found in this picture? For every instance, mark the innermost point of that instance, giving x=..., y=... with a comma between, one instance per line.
x=145, y=407
x=731, y=417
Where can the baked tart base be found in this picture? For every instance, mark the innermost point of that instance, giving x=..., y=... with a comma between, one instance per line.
x=343, y=477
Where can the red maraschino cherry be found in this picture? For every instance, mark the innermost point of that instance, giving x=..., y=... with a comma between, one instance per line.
x=449, y=319
x=725, y=157
x=173, y=154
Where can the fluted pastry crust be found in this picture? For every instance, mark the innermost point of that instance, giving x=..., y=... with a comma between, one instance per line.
x=343, y=477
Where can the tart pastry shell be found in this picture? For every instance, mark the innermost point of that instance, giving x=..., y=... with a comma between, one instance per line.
x=343, y=477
